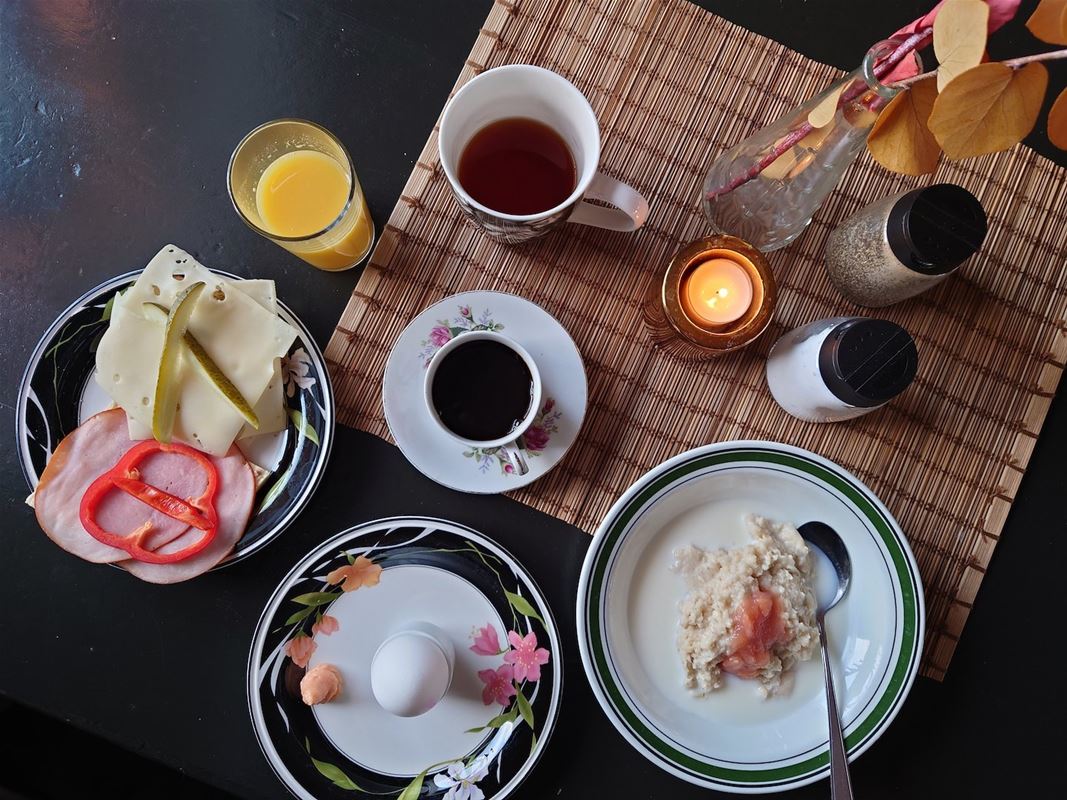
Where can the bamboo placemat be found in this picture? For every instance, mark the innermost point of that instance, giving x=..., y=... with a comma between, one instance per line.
x=672, y=86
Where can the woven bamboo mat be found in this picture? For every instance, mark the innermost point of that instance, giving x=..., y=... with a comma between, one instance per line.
x=673, y=85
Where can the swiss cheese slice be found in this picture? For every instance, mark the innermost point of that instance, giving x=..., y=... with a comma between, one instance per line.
x=241, y=335
x=270, y=410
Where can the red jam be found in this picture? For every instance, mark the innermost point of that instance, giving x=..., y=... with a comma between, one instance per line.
x=758, y=627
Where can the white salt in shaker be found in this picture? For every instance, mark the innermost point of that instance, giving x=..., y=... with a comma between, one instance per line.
x=840, y=368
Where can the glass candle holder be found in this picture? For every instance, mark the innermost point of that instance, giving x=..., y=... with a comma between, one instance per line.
x=676, y=327
x=317, y=210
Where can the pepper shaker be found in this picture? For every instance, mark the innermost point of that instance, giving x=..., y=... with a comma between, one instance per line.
x=904, y=244
x=840, y=368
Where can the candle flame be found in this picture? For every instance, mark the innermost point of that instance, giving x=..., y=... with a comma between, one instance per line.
x=721, y=293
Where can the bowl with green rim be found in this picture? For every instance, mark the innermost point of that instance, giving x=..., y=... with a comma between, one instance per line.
x=733, y=740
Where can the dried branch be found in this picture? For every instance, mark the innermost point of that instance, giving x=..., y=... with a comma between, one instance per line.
x=1014, y=63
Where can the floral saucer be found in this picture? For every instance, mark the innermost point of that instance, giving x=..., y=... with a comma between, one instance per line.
x=351, y=593
x=58, y=392
x=441, y=458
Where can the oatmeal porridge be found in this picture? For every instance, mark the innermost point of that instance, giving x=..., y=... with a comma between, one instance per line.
x=750, y=610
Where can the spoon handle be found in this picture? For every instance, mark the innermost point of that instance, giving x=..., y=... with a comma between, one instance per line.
x=840, y=784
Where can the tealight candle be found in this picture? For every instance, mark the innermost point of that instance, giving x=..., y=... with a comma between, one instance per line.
x=717, y=292
x=715, y=296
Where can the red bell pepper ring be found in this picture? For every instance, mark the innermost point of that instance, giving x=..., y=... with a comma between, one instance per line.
x=199, y=512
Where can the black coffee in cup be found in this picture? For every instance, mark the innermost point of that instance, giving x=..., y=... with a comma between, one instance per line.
x=482, y=390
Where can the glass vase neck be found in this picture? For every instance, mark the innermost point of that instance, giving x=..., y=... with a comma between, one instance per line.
x=867, y=70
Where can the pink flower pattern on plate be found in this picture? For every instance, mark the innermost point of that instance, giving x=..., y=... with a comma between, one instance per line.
x=535, y=440
x=447, y=329
x=300, y=649
x=361, y=572
x=525, y=656
x=326, y=625
x=499, y=685
x=486, y=642
x=440, y=336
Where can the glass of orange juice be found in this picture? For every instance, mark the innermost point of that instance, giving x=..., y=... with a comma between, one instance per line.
x=293, y=182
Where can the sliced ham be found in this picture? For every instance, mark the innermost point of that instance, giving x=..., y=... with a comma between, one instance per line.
x=237, y=492
x=95, y=447
x=170, y=472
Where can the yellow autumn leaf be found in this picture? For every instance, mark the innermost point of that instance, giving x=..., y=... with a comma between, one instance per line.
x=960, y=32
x=1049, y=22
x=988, y=108
x=900, y=140
x=1057, y=122
x=823, y=114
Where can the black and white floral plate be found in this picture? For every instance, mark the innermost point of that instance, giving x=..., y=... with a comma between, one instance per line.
x=341, y=601
x=58, y=393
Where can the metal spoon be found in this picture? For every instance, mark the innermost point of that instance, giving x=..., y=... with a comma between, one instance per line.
x=829, y=542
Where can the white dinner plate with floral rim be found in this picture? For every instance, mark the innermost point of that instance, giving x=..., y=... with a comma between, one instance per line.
x=436, y=454
x=341, y=601
x=627, y=611
x=58, y=393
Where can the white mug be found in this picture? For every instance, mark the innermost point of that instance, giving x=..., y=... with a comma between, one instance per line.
x=521, y=90
x=511, y=444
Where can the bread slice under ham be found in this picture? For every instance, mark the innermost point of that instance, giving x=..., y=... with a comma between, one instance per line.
x=95, y=447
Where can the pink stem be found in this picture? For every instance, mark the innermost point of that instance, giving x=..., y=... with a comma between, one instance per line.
x=882, y=68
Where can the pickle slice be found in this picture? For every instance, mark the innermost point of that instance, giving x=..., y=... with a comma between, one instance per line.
x=210, y=369
x=166, y=400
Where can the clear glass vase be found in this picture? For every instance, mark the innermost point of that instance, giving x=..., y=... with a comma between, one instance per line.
x=767, y=188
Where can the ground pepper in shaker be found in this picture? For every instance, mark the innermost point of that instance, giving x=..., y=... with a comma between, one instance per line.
x=904, y=244
x=840, y=368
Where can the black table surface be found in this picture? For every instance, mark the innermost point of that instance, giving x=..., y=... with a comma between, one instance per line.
x=116, y=123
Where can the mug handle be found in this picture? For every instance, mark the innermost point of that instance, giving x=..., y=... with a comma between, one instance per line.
x=513, y=451
x=629, y=213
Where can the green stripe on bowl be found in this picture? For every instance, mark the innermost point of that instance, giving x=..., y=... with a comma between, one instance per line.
x=907, y=658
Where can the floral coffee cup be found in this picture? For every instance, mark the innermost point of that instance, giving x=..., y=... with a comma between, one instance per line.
x=511, y=445
x=521, y=90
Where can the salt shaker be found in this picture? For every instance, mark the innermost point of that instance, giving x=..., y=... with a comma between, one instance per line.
x=904, y=244
x=840, y=368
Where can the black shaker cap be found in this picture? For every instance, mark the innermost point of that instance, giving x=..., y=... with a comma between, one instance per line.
x=934, y=229
x=867, y=362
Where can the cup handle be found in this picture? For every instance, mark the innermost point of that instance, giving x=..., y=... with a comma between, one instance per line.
x=513, y=451
x=629, y=213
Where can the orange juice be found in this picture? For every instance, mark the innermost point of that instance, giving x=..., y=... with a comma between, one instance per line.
x=302, y=193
